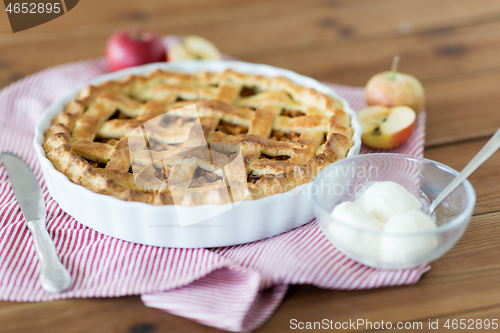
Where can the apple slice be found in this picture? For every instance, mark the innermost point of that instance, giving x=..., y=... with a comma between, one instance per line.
x=384, y=127
x=202, y=48
x=194, y=48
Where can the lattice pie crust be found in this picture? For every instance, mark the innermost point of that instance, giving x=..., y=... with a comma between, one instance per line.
x=285, y=133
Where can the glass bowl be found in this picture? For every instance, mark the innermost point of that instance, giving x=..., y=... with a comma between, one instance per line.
x=425, y=179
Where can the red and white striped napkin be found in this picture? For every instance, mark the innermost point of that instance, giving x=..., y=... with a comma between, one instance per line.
x=233, y=288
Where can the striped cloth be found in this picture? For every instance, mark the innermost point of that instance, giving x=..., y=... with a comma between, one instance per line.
x=233, y=288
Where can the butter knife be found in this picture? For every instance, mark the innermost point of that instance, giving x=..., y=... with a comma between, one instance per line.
x=54, y=277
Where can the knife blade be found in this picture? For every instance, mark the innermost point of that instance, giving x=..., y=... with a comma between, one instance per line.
x=25, y=186
x=54, y=277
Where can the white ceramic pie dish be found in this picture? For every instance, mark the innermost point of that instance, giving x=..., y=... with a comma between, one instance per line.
x=142, y=223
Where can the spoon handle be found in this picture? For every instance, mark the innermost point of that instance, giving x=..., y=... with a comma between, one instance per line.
x=489, y=149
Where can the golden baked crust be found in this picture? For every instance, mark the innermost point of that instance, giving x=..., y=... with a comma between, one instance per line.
x=284, y=132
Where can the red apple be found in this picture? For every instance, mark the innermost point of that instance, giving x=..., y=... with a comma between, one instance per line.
x=127, y=48
x=392, y=89
x=384, y=127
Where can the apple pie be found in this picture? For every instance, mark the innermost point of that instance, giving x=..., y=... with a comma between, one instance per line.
x=203, y=138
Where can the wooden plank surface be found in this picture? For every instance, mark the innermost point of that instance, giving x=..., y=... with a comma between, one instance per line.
x=452, y=46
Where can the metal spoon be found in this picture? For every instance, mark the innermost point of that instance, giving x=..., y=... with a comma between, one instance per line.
x=489, y=149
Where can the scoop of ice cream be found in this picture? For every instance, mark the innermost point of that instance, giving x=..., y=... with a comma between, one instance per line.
x=394, y=248
x=352, y=234
x=387, y=199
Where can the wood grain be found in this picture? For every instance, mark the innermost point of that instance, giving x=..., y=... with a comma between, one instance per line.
x=452, y=46
x=309, y=22
x=316, y=26
x=104, y=315
x=463, y=109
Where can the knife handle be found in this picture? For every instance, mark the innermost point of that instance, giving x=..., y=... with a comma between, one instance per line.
x=54, y=277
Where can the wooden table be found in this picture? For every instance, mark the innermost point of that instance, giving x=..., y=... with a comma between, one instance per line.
x=452, y=46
